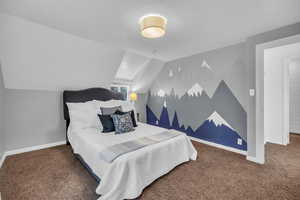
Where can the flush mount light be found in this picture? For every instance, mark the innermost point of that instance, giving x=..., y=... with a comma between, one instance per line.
x=153, y=26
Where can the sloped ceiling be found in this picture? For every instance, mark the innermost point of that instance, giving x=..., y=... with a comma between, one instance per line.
x=194, y=26
x=40, y=58
x=131, y=65
x=63, y=44
x=138, y=71
x=144, y=78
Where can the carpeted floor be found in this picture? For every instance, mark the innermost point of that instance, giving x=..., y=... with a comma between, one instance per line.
x=55, y=174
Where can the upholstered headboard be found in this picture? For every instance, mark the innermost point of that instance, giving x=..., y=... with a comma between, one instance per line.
x=77, y=96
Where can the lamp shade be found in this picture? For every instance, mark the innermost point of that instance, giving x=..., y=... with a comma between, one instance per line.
x=153, y=26
x=133, y=96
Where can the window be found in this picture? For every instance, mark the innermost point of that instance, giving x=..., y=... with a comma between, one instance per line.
x=123, y=89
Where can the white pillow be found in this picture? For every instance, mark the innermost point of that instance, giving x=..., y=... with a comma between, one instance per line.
x=106, y=104
x=83, y=115
x=125, y=105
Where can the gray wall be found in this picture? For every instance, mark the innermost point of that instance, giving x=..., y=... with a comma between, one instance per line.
x=249, y=80
x=140, y=106
x=251, y=44
x=221, y=75
x=33, y=118
x=2, y=136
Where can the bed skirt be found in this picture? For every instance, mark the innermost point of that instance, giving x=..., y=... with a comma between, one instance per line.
x=87, y=167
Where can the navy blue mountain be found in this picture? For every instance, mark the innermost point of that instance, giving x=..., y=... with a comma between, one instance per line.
x=208, y=131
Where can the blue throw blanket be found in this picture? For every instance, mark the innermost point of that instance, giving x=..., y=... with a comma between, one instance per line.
x=112, y=152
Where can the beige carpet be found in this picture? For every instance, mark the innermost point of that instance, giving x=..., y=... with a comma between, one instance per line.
x=54, y=173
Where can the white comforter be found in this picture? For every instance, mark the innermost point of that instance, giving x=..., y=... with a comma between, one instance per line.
x=128, y=175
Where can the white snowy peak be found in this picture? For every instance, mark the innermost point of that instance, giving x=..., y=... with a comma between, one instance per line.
x=195, y=90
x=165, y=103
x=161, y=93
x=205, y=65
x=218, y=120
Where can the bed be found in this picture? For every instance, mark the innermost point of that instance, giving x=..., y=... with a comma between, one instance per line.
x=128, y=174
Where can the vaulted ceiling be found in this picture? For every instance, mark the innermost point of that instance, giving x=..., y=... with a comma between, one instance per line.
x=36, y=57
x=193, y=25
x=58, y=44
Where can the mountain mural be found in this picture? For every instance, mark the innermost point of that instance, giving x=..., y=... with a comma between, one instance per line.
x=220, y=119
x=227, y=105
x=196, y=90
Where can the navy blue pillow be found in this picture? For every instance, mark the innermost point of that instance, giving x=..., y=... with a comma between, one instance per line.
x=107, y=123
x=118, y=112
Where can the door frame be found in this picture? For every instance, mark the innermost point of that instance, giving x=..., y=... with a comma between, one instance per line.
x=259, y=99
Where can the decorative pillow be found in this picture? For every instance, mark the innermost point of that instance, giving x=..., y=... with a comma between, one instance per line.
x=132, y=115
x=107, y=123
x=123, y=123
x=109, y=110
x=83, y=115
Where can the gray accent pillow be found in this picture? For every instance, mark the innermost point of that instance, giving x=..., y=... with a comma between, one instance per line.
x=109, y=110
x=123, y=123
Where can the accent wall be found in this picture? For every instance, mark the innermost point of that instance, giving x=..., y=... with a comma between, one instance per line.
x=203, y=95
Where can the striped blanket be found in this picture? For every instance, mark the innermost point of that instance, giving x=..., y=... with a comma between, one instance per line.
x=112, y=152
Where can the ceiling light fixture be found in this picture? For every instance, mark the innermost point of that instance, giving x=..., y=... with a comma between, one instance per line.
x=153, y=26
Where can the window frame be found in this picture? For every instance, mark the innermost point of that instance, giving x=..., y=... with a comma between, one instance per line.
x=119, y=86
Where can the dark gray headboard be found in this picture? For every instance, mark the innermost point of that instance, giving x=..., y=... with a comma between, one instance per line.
x=77, y=96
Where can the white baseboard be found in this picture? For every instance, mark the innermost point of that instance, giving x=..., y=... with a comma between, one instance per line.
x=34, y=148
x=28, y=149
x=2, y=160
x=219, y=146
x=256, y=160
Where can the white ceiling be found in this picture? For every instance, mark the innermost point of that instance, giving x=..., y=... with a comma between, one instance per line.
x=193, y=26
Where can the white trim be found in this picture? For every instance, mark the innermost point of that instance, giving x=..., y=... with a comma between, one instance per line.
x=34, y=148
x=286, y=101
x=219, y=146
x=259, y=103
x=28, y=149
x=256, y=160
x=119, y=85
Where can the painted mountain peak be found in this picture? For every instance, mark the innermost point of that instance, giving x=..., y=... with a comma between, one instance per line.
x=165, y=103
x=227, y=105
x=205, y=65
x=161, y=93
x=195, y=90
x=214, y=129
x=218, y=120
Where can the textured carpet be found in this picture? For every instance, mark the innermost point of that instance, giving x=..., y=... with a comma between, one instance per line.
x=54, y=173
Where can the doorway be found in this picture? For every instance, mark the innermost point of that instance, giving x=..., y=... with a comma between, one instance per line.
x=274, y=61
